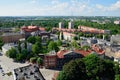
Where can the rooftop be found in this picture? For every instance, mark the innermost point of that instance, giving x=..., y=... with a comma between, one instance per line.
x=30, y=72
x=32, y=28
x=61, y=53
x=9, y=34
x=68, y=34
x=9, y=46
x=117, y=54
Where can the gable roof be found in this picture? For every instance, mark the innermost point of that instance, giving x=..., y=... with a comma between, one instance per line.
x=61, y=53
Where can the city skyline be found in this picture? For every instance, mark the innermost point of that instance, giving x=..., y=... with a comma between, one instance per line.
x=60, y=8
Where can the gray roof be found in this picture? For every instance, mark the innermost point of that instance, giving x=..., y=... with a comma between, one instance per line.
x=9, y=34
x=30, y=72
x=9, y=46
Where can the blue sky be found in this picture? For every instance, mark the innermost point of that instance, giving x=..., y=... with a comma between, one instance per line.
x=60, y=8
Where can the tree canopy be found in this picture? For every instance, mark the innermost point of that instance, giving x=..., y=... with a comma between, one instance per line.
x=53, y=46
x=89, y=68
x=11, y=53
x=1, y=43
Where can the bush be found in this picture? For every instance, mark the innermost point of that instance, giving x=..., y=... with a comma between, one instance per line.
x=33, y=59
x=11, y=53
x=39, y=61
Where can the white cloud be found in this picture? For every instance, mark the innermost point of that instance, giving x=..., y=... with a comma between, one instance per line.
x=33, y=1
x=55, y=1
x=59, y=7
x=112, y=7
x=115, y=6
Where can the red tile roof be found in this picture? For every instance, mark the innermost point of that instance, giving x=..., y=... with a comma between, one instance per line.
x=82, y=29
x=42, y=29
x=83, y=52
x=98, y=50
x=68, y=34
x=65, y=29
x=90, y=29
x=60, y=54
x=32, y=28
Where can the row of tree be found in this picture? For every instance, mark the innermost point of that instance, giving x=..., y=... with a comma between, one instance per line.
x=49, y=24
x=21, y=53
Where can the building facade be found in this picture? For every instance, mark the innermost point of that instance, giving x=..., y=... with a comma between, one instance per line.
x=68, y=36
x=50, y=61
x=117, y=57
x=117, y=22
x=61, y=25
x=12, y=37
x=70, y=25
x=31, y=30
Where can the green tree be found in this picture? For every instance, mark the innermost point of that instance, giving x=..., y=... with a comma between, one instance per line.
x=33, y=59
x=59, y=43
x=62, y=76
x=53, y=46
x=39, y=45
x=25, y=53
x=39, y=61
x=117, y=77
x=19, y=46
x=93, y=64
x=86, y=47
x=75, y=38
x=25, y=43
x=19, y=57
x=38, y=39
x=35, y=49
x=75, y=44
x=1, y=43
x=62, y=37
x=31, y=39
x=75, y=72
x=89, y=68
x=11, y=53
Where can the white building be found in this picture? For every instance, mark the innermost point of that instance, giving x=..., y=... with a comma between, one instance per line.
x=92, y=40
x=61, y=25
x=68, y=36
x=54, y=37
x=7, y=47
x=70, y=25
x=117, y=57
x=117, y=22
x=106, y=31
x=115, y=39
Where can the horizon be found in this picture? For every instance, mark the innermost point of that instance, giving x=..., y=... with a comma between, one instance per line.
x=57, y=16
x=60, y=8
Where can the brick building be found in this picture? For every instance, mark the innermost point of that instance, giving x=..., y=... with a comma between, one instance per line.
x=50, y=61
x=12, y=37
x=31, y=30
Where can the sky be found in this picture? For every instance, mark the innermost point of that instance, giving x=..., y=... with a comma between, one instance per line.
x=59, y=7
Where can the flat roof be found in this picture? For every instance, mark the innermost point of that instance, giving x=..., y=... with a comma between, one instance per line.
x=30, y=72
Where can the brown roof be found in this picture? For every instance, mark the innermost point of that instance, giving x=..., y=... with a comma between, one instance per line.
x=117, y=54
x=98, y=50
x=68, y=34
x=60, y=54
x=32, y=28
